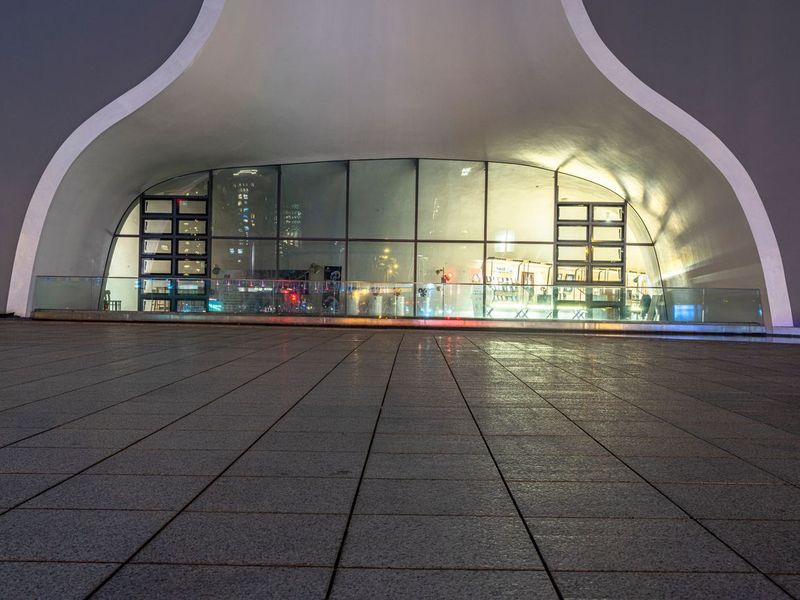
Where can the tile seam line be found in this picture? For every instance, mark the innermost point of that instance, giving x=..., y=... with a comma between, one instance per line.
x=521, y=517
x=76, y=473
x=121, y=402
x=180, y=511
x=621, y=459
x=340, y=550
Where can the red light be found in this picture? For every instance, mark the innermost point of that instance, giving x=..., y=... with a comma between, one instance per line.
x=293, y=297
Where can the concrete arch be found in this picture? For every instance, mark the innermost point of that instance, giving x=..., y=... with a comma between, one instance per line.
x=708, y=143
x=512, y=81
x=19, y=297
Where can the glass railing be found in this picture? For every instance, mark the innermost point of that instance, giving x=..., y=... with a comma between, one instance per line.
x=399, y=300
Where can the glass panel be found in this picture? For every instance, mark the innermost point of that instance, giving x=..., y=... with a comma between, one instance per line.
x=191, y=247
x=451, y=200
x=606, y=254
x=520, y=203
x=606, y=234
x=636, y=232
x=152, y=266
x=609, y=274
x=381, y=261
x=573, y=213
x=575, y=189
x=313, y=200
x=527, y=264
x=157, y=226
x=243, y=259
x=462, y=261
x=608, y=214
x=195, y=184
x=382, y=198
x=158, y=206
x=576, y=253
x=607, y=294
x=191, y=207
x=642, y=267
x=130, y=222
x=157, y=247
x=246, y=202
x=571, y=273
x=191, y=306
x=156, y=286
x=124, y=258
x=191, y=267
x=155, y=305
x=197, y=227
x=572, y=233
x=191, y=286
x=311, y=259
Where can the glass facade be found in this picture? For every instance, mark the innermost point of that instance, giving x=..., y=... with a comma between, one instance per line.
x=423, y=237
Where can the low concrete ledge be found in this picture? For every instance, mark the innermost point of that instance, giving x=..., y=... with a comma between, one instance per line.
x=644, y=327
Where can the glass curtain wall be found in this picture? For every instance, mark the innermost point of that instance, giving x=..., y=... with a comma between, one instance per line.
x=411, y=237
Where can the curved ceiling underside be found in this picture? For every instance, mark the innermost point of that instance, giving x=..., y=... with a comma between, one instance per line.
x=307, y=80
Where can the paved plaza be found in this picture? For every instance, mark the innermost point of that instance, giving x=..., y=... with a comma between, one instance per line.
x=190, y=461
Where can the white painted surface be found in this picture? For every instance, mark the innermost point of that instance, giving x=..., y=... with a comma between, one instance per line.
x=708, y=143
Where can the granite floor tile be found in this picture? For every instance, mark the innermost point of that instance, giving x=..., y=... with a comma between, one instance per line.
x=591, y=500
x=298, y=441
x=666, y=545
x=433, y=497
x=247, y=539
x=746, y=501
x=412, y=443
x=84, y=438
x=772, y=546
x=665, y=586
x=25, y=580
x=430, y=466
x=199, y=440
x=699, y=470
x=298, y=464
x=389, y=584
x=193, y=581
x=546, y=445
x=278, y=495
x=49, y=460
x=75, y=535
x=533, y=467
x=121, y=492
x=15, y=488
x=139, y=461
x=440, y=542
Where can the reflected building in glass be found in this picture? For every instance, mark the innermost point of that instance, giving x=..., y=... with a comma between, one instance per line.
x=434, y=237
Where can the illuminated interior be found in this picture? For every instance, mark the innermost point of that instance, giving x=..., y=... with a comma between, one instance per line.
x=409, y=237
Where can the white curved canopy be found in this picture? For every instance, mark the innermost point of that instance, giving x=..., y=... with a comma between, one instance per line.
x=276, y=82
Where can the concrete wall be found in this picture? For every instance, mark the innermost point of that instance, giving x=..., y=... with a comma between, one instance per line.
x=60, y=63
x=732, y=64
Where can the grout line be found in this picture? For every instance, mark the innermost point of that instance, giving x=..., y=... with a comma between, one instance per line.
x=502, y=477
x=339, y=552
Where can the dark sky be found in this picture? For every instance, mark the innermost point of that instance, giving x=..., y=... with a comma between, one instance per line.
x=61, y=61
